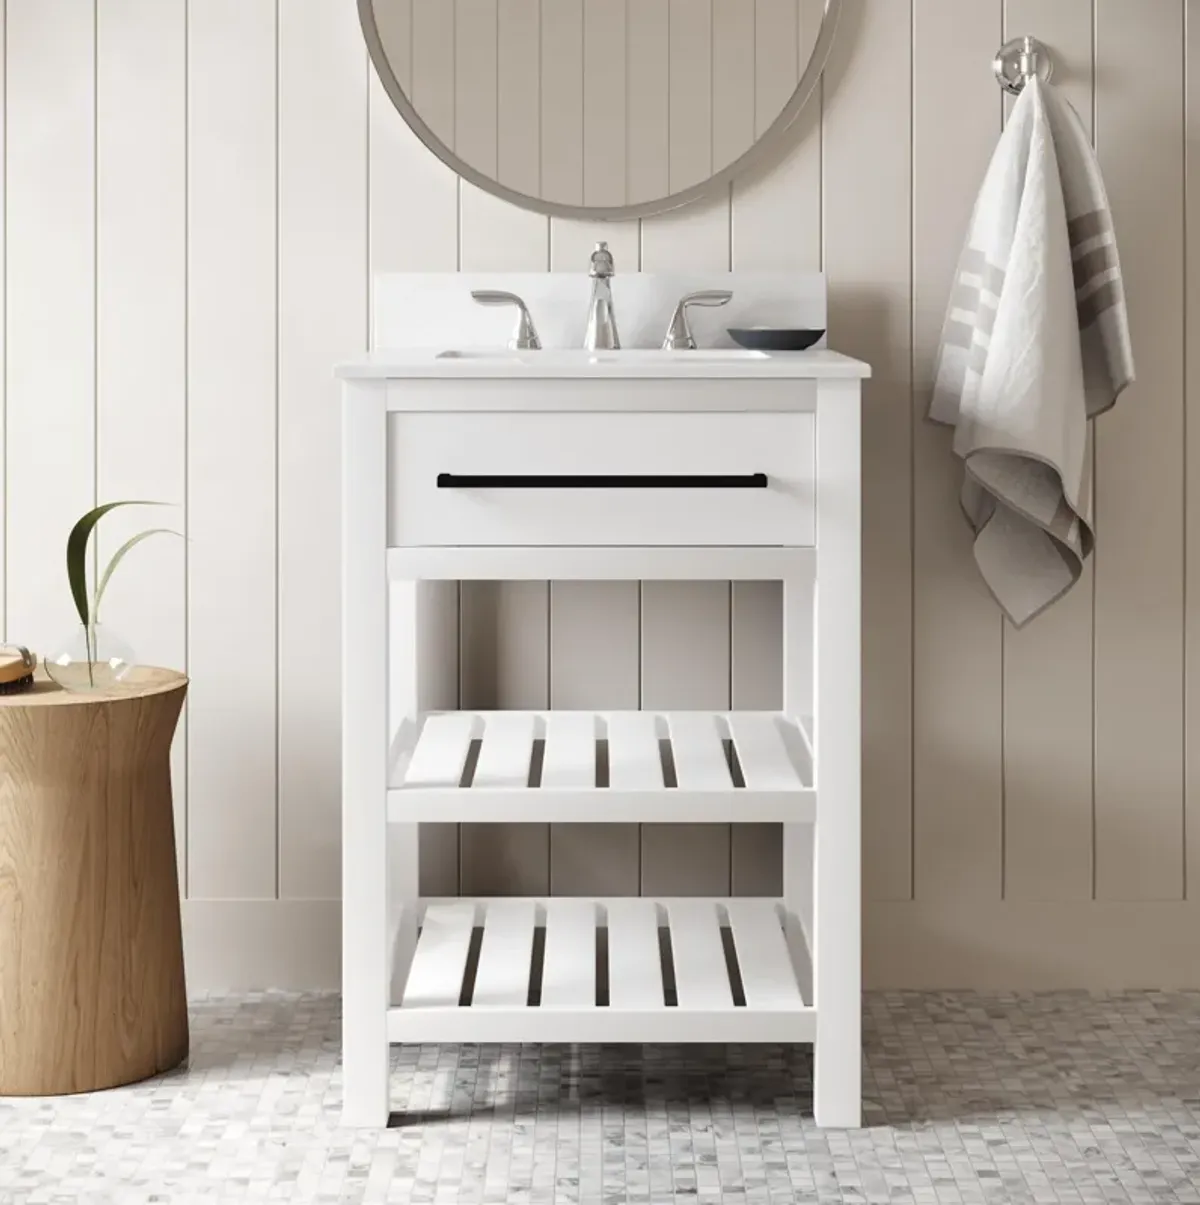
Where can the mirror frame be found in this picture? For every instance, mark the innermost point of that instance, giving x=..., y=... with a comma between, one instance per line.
x=767, y=145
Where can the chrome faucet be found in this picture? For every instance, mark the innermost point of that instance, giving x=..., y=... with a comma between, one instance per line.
x=679, y=334
x=525, y=337
x=602, y=322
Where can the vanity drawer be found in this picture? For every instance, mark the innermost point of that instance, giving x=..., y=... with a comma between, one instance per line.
x=621, y=478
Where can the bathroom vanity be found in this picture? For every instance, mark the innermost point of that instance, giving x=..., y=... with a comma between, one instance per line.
x=718, y=463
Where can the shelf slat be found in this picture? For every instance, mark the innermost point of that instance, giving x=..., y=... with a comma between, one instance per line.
x=441, y=751
x=700, y=762
x=633, y=757
x=507, y=750
x=569, y=963
x=762, y=755
x=435, y=979
x=634, y=962
x=768, y=979
x=570, y=758
x=502, y=977
x=701, y=978
x=806, y=730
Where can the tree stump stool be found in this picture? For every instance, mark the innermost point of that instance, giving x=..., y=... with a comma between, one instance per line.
x=91, y=957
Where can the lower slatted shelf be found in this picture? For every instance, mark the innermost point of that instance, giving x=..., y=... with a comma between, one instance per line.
x=629, y=970
x=628, y=767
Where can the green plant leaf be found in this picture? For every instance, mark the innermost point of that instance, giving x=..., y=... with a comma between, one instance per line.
x=77, y=543
x=119, y=556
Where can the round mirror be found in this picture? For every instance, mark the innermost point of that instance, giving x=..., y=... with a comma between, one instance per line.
x=599, y=108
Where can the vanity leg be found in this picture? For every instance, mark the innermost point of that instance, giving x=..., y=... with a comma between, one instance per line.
x=837, y=912
x=798, y=865
x=410, y=631
x=365, y=969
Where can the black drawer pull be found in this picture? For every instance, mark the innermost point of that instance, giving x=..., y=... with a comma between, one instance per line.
x=602, y=481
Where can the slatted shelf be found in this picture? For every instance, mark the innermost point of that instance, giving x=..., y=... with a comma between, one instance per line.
x=623, y=767
x=660, y=973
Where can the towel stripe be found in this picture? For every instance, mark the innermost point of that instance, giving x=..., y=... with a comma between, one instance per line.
x=975, y=262
x=967, y=296
x=1104, y=298
x=1088, y=225
x=976, y=311
x=958, y=334
x=1094, y=263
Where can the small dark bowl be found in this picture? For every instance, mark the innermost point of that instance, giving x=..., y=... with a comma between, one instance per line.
x=767, y=339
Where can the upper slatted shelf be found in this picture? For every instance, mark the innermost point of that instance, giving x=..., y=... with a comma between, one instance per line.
x=561, y=766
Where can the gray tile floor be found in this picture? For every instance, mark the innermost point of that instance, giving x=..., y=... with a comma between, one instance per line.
x=1063, y=1097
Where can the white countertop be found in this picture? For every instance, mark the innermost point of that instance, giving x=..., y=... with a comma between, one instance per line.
x=573, y=363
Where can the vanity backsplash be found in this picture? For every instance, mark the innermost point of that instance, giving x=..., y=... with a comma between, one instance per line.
x=417, y=309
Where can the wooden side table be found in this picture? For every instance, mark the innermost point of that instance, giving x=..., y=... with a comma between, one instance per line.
x=91, y=957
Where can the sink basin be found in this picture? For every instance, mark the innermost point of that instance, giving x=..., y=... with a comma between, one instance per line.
x=580, y=355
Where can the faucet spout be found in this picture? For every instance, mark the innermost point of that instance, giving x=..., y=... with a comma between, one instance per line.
x=602, y=320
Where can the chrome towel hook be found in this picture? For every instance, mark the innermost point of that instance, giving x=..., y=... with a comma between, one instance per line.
x=1019, y=60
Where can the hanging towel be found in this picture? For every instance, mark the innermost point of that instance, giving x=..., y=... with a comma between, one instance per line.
x=1036, y=342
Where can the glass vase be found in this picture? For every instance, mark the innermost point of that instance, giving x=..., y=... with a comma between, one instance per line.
x=94, y=659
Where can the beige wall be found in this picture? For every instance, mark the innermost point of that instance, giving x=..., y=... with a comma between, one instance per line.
x=195, y=198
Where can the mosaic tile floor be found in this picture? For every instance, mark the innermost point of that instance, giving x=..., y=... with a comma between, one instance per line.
x=1049, y=1098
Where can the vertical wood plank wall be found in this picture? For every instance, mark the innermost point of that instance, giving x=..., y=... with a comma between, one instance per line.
x=196, y=194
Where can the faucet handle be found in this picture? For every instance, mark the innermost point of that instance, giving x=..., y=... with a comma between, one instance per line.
x=679, y=333
x=525, y=337
x=602, y=263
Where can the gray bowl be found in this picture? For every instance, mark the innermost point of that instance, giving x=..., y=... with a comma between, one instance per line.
x=763, y=338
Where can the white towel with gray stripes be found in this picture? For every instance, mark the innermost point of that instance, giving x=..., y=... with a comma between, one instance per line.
x=1036, y=343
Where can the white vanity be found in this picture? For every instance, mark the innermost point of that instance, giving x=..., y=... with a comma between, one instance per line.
x=566, y=464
